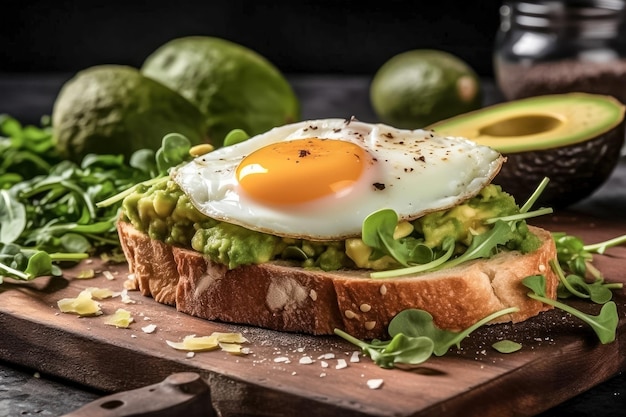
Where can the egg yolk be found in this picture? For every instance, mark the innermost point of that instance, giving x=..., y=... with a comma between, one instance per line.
x=301, y=170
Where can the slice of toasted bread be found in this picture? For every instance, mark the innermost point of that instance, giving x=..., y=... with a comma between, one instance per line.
x=284, y=297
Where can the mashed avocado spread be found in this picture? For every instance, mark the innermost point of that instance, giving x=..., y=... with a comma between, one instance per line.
x=165, y=213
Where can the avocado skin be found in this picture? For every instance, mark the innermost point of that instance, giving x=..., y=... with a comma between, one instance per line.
x=575, y=171
x=576, y=165
x=420, y=86
x=114, y=109
x=233, y=86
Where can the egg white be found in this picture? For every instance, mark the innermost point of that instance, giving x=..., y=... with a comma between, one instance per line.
x=414, y=172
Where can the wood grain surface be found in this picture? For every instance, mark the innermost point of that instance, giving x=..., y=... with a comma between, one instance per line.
x=560, y=357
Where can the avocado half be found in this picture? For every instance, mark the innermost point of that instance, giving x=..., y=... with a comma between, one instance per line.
x=574, y=139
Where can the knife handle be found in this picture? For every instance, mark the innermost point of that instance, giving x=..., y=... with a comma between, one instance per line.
x=180, y=394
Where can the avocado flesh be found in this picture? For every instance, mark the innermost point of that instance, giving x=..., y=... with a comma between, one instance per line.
x=574, y=139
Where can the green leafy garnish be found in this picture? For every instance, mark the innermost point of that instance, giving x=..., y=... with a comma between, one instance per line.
x=26, y=264
x=577, y=257
x=236, y=136
x=52, y=210
x=401, y=349
x=379, y=227
x=378, y=233
x=506, y=346
x=411, y=329
x=12, y=217
x=415, y=338
x=174, y=150
x=604, y=324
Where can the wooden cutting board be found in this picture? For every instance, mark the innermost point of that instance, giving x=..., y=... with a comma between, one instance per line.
x=560, y=358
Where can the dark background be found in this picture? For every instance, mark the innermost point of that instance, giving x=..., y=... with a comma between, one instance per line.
x=312, y=37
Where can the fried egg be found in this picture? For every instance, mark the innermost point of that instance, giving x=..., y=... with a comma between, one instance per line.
x=319, y=179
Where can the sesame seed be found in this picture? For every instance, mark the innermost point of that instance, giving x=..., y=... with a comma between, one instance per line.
x=313, y=295
x=365, y=307
x=369, y=325
x=350, y=314
x=383, y=290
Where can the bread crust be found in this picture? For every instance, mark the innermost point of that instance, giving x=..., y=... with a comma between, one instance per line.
x=280, y=296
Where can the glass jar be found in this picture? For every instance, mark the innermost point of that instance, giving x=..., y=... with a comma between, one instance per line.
x=548, y=47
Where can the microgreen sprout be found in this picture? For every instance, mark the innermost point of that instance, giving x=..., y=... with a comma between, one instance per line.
x=506, y=346
x=604, y=324
x=415, y=338
x=535, y=195
x=577, y=257
x=379, y=227
x=53, y=210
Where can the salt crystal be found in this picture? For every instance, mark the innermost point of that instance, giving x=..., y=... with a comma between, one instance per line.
x=305, y=360
x=374, y=383
x=149, y=328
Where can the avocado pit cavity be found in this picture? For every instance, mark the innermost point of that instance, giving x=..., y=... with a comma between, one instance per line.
x=574, y=139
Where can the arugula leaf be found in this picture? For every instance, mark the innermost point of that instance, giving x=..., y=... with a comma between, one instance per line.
x=484, y=245
x=12, y=217
x=604, y=324
x=378, y=233
x=50, y=205
x=448, y=245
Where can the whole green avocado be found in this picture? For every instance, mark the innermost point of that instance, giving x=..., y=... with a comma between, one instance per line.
x=234, y=86
x=114, y=109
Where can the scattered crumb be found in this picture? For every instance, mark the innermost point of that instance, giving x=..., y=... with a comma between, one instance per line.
x=150, y=328
x=86, y=274
x=126, y=298
x=374, y=383
x=305, y=360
